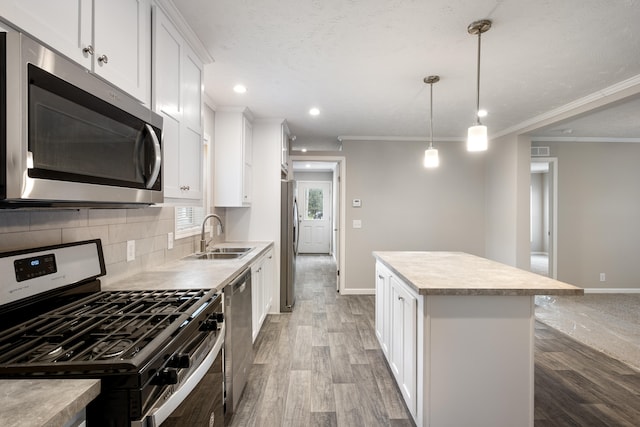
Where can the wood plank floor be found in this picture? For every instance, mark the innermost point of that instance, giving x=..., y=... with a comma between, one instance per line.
x=322, y=366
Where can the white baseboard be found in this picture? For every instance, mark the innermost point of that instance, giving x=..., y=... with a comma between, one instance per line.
x=612, y=290
x=358, y=291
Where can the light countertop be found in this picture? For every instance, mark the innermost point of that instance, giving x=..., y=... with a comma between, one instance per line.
x=459, y=273
x=35, y=403
x=193, y=273
x=53, y=402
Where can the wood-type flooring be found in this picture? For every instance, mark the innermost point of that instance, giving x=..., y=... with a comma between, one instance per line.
x=322, y=366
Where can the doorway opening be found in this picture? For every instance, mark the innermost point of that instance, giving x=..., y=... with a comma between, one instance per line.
x=544, y=216
x=320, y=194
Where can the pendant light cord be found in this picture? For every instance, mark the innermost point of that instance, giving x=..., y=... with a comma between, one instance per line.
x=431, y=114
x=478, y=87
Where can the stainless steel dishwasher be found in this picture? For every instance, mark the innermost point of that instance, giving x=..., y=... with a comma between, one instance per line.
x=238, y=356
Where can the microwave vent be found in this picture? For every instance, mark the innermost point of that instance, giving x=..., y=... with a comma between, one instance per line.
x=540, y=151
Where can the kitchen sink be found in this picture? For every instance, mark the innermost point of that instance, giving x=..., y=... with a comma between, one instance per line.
x=227, y=250
x=220, y=253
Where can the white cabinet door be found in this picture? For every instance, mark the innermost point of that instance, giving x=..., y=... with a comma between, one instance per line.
x=233, y=157
x=267, y=280
x=403, y=352
x=284, y=149
x=247, y=142
x=110, y=38
x=63, y=25
x=122, y=45
x=257, y=296
x=177, y=97
x=383, y=308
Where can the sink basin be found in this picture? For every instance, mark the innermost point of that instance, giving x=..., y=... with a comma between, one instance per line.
x=227, y=250
x=215, y=255
x=220, y=253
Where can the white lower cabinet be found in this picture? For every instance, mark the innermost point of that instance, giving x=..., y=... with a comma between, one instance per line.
x=261, y=294
x=396, y=329
x=383, y=307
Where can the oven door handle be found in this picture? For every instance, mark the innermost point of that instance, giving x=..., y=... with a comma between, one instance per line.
x=158, y=415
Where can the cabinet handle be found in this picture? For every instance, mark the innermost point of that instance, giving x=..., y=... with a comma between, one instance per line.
x=103, y=58
x=88, y=50
x=400, y=298
x=185, y=188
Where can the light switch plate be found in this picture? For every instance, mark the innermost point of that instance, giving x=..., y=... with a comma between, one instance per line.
x=357, y=223
x=170, y=241
x=131, y=250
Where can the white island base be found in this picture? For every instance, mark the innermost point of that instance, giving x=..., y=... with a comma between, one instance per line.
x=458, y=333
x=478, y=361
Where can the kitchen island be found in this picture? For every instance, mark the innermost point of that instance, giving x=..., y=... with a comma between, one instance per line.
x=458, y=333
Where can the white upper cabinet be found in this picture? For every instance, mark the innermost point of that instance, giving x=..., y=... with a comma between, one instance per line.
x=177, y=97
x=233, y=157
x=284, y=147
x=110, y=38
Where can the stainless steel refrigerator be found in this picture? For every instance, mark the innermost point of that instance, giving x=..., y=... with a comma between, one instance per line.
x=288, y=245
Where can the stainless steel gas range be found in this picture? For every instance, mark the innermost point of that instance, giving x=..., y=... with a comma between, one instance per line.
x=157, y=352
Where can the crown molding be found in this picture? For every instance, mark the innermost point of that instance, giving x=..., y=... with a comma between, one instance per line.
x=582, y=139
x=185, y=30
x=398, y=138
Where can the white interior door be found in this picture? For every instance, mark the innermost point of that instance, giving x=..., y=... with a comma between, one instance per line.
x=314, y=203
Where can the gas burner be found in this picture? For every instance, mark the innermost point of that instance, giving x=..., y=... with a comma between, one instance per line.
x=110, y=349
x=51, y=352
x=165, y=309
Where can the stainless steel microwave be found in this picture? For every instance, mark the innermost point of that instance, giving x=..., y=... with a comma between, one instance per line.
x=68, y=138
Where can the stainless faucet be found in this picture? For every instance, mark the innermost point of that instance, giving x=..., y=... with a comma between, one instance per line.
x=203, y=241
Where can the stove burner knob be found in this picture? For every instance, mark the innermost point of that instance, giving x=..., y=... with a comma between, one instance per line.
x=167, y=376
x=219, y=317
x=209, y=325
x=180, y=361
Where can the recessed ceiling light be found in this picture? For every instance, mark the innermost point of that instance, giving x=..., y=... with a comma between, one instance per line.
x=304, y=150
x=314, y=111
x=307, y=165
x=482, y=113
x=240, y=88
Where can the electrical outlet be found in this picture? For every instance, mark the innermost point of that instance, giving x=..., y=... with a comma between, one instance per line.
x=170, y=241
x=357, y=223
x=131, y=250
x=603, y=278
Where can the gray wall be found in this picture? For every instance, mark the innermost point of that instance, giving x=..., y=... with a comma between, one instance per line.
x=598, y=213
x=408, y=207
x=507, y=182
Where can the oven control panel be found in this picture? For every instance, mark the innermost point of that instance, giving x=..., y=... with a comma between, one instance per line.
x=36, y=266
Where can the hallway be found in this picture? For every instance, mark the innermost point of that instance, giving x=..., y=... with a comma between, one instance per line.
x=321, y=366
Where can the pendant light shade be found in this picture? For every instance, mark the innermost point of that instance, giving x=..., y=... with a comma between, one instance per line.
x=477, y=138
x=477, y=135
x=431, y=159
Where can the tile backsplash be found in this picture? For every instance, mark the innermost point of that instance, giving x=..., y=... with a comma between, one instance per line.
x=149, y=227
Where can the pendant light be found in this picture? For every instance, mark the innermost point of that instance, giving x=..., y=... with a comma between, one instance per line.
x=431, y=159
x=477, y=134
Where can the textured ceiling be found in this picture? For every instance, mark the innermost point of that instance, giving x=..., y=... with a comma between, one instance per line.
x=362, y=61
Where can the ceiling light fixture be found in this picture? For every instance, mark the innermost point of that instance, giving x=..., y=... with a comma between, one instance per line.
x=240, y=88
x=431, y=159
x=477, y=134
x=314, y=111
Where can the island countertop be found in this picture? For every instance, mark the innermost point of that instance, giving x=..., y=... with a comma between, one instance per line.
x=459, y=273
